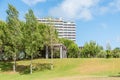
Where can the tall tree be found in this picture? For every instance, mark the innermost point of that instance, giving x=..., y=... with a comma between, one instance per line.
x=50, y=37
x=32, y=35
x=14, y=33
x=53, y=40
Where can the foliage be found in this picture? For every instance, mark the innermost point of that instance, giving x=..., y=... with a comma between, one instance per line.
x=32, y=36
x=13, y=32
x=90, y=49
x=116, y=52
x=50, y=38
x=2, y=38
x=108, y=51
x=50, y=34
x=72, y=48
x=102, y=54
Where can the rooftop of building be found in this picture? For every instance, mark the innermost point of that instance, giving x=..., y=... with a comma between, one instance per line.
x=54, y=20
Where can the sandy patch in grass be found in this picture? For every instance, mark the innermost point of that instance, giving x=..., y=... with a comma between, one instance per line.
x=10, y=72
x=87, y=78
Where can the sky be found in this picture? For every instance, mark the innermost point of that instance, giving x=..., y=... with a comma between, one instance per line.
x=96, y=20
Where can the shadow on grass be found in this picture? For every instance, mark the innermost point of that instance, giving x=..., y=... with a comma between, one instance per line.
x=6, y=66
x=24, y=69
x=116, y=75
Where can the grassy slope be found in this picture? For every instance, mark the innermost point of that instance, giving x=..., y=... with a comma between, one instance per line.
x=64, y=68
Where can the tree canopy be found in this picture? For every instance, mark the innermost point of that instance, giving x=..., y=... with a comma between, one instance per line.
x=13, y=32
x=90, y=49
x=72, y=48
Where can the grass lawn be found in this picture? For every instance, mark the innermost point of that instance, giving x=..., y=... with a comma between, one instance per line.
x=64, y=69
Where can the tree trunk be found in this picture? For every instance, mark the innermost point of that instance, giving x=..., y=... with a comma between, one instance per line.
x=46, y=55
x=14, y=64
x=31, y=64
x=51, y=57
x=61, y=52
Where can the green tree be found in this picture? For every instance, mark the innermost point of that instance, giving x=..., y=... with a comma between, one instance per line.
x=50, y=36
x=53, y=40
x=13, y=33
x=72, y=48
x=2, y=25
x=32, y=36
x=90, y=49
x=2, y=37
x=108, y=50
x=102, y=54
x=116, y=52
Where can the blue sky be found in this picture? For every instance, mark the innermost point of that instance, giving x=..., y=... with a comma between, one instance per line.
x=97, y=20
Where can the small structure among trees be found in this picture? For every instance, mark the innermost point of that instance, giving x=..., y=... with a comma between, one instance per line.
x=62, y=50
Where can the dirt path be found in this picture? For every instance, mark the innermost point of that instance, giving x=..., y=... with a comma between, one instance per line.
x=87, y=78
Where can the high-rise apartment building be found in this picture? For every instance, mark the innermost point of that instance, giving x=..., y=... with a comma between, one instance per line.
x=65, y=29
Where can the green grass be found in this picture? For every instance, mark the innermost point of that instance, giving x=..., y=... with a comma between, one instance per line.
x=62, y=68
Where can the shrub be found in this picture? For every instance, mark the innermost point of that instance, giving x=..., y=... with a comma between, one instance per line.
x=102, y=54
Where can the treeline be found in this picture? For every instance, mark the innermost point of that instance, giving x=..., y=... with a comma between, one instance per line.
x=93, y=50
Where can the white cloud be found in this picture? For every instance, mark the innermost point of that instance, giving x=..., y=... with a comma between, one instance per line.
x=32, y=2
x=84, y=9
x=76, y=9
x=111, y=7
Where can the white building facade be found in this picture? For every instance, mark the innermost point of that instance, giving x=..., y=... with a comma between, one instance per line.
x=65, y=29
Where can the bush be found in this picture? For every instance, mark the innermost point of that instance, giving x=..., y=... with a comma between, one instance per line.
x=90, y=49
x=102, y=54
x=116, y=55
x=41, y=67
